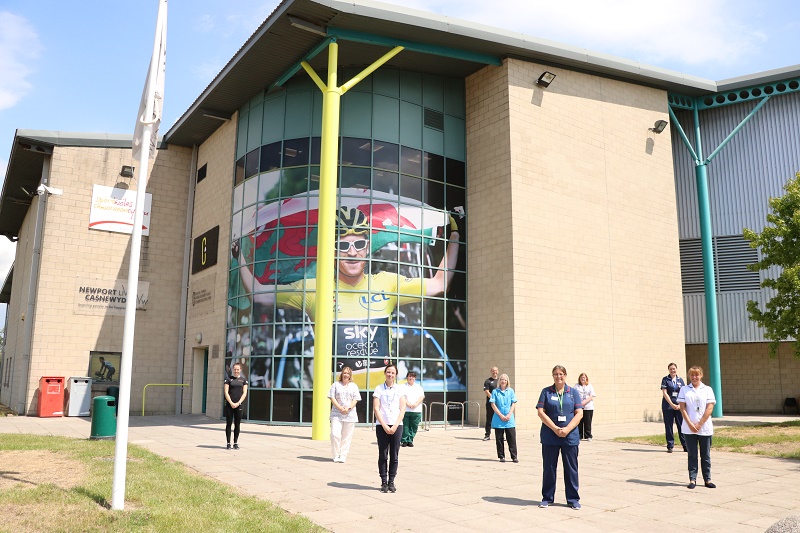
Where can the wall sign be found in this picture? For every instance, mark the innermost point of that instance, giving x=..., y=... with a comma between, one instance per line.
x=113, y=210
x=204, y=250
x=107, y=297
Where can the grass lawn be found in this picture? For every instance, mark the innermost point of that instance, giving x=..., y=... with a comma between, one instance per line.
x=774, y=440
x=62, y=484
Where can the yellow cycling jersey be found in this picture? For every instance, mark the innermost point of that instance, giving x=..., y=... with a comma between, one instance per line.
x=374, y=296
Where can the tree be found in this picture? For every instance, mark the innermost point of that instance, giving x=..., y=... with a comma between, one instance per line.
x=779, y=243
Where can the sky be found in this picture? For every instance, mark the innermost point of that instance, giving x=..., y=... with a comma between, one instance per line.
x=80, y=65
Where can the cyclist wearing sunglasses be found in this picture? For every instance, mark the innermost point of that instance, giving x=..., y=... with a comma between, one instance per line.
x=364, y=303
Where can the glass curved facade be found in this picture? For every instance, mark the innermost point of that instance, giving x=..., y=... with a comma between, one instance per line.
x=402, y=173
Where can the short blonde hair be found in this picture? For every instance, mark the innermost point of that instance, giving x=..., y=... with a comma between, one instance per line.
x=348, y=370
x=696, y=370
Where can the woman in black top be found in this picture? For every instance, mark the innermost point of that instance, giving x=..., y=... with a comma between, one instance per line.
x=235, y=394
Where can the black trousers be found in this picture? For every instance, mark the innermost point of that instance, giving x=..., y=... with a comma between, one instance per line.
x=233, y=416
x=388, y=452
x=585, y=425
x=489, y=416
x=511, y=437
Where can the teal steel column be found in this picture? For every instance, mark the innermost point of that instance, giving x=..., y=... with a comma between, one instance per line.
x=704, y=206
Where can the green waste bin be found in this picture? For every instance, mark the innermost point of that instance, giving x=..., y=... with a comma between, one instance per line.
x=104, y=418
x=114, y=391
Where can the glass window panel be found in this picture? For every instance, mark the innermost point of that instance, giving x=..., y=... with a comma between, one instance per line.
x=269, y=185
x=410, y=187
x=238, y=195
x=316, y=143
x=308, y=404
x=433, y=166
x=270, y=156
x=384, y=181
x=294, y=181
x=358, y=178
x=313, y=184
x=236, y=226
x=456, y=315
x=433, y=194
x=251, y=164
x=249, y=223
x=286, y=406
x=386, y=155
x=455, y=172
x=356, y=152
x=456, y=373
x=288, y=372
x=409, y=344
x=455, y=197
x=296, y=152
x=433, y=395
x=260, y=373
x=434, y=312
x=250, y=192
x=260, y=404
x=410, y=161
x=239, y=172
x=457, y=344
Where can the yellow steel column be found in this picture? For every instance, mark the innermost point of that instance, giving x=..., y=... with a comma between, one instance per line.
x=326, y=275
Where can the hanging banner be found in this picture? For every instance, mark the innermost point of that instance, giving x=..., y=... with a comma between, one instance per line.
x=113, y=210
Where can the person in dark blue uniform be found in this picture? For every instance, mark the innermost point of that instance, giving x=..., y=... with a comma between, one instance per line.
x=560, y=412
x=670, y=387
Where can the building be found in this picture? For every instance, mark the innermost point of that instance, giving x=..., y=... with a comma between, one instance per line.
x=576, y=247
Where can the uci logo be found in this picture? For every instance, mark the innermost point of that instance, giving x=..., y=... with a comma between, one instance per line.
x=374, y=302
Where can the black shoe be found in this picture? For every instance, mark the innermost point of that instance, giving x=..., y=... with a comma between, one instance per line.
x=514, y=460
x=669, y=450
x=410, y=444
x=235, y=446
x=392, y=488
x=710, y=485
x=691, y=485
x=403, y=444
x=502, y=459
x=486, y=437
x=229, y=446
x=384, y=487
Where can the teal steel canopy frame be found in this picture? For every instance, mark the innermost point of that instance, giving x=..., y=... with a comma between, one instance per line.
x=762, y=93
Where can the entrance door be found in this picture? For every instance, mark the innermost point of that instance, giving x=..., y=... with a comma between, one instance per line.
x=199, y=379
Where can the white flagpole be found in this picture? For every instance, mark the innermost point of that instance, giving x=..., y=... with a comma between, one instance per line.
x=146, y=117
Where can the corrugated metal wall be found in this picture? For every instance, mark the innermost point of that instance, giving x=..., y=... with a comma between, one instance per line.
x=753, y=167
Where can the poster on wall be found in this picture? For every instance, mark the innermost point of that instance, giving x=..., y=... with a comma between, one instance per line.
x=389, y=302
x=104, y=367
x=106, y=297
x=113, y=210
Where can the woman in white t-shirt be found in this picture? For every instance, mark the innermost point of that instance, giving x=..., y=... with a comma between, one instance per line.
x=697, y=402
x=389, y=405
x=587, y=394
x=344, y=396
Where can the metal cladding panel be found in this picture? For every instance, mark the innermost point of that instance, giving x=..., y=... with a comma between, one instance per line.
x=753, y=167
x=734, y=320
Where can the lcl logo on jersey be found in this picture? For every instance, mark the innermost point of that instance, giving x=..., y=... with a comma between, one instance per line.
x=374, y=302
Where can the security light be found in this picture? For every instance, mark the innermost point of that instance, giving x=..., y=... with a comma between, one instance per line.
x=546, y=79
x=659, y=126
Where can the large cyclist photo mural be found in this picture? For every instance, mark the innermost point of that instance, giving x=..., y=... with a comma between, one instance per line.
x=400, y=275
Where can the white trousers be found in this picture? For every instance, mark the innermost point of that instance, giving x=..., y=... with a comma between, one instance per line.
x=341, y=436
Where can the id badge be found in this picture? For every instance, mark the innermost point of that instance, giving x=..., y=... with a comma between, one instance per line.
x=674, y=394
x=562, y=418
x=554, y=398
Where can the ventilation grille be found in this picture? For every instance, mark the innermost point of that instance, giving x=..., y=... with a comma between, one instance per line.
x=433, y=119
x=732, y=253
x=733, y=256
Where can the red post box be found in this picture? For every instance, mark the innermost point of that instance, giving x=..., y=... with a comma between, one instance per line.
x=51, y=396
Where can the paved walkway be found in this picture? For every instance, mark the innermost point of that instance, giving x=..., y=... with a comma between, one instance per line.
x=452, y=482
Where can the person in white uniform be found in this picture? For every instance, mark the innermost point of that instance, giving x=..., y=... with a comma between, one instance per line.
x=414, y=398
x=344, y=396
x=697, y=402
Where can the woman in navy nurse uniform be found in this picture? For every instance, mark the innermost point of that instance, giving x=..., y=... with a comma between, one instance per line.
x=670, y=387
x=560, y=412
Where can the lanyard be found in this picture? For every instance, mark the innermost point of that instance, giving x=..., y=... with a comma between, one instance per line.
x=561, y=400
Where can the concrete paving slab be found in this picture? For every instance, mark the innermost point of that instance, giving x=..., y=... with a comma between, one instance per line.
x=452, y=480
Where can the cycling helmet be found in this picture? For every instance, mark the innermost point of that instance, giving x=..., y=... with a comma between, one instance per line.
x=351, y=221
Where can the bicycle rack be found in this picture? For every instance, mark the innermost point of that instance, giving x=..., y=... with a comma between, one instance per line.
x=478, y=419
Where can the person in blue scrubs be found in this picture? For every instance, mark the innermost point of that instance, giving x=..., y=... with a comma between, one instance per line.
x=559, y=408
x=504, y=403
x=670, y=387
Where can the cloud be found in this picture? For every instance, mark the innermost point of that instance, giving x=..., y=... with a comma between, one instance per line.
x=19, y=46
x=682, y=32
